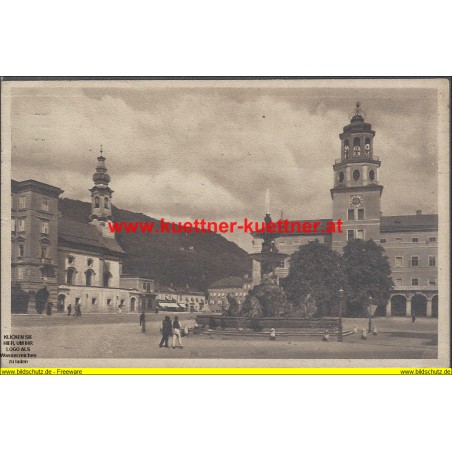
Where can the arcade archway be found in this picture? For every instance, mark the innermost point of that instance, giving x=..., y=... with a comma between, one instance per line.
x=398, y=305
x=419, y=305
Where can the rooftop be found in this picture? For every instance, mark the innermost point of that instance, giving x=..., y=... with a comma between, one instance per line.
x=40, y=187
x=418, y=222
x=85, y=235
x=230, y=281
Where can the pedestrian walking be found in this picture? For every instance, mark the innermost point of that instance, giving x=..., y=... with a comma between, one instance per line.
x=176, y=332
x=413, y=316
x=69, y=309
x=166, y=331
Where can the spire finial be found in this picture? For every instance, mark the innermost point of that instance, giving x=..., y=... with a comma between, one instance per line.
x=358, y=113
x=101, y=150
x=267, y=201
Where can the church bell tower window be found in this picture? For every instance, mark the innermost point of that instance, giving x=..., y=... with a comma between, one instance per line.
x=356, y=175
x=367, y=147
x=96, y=202
x=356, y=147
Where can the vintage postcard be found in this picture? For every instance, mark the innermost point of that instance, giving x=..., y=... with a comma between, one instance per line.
x=225, y=226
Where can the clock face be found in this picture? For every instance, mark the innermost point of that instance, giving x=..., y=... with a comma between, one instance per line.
x=356, y=201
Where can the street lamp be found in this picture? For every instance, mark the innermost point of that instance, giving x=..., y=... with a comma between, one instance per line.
x=370, y=314
x=341, y=297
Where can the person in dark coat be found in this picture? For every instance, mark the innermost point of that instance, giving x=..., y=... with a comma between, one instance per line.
x=167, y=330
x=413, y=316
x=69, y=309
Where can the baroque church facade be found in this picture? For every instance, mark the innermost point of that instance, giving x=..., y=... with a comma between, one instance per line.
x=78, y=263
x=410, y=241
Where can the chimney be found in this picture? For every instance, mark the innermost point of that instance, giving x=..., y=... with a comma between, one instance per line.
x=418, y=212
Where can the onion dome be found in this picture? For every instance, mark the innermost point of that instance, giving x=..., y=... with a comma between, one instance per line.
x=101, y=176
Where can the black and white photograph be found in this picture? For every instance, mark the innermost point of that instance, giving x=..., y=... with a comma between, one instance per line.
x=225, y=223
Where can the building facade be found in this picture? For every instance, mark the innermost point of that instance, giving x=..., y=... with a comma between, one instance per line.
x=172, y=298
x=34, y=236
x=79, y=263
x=146, y=289
x=410, y=241
x=234, y=286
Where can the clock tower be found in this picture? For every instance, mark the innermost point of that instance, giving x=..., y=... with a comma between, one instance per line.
x=357, y=192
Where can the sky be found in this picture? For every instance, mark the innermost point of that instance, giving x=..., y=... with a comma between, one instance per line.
x=187, y=151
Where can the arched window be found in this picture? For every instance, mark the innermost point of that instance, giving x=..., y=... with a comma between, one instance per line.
x=70, y=276
x=89, y=278
x=106, y=203
x=106, y=279
x=341, y=177
x=367, y=147
x=346, y=148
x=356, y=147
x=371, y=174
x=356, y=175
x=96, y=201
x=90, y=262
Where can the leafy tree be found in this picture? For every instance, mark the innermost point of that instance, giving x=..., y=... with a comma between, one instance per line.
x=315, y=274
x=368, y=273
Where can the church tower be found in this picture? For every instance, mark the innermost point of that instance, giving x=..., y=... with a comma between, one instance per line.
x=101, y=193
x=357, y=192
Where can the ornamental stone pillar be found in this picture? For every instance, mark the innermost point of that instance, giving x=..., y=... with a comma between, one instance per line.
x=408, y=308
x=429, y=306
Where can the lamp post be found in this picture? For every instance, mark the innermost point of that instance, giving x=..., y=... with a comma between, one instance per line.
x=341, y=297
x=370, y=314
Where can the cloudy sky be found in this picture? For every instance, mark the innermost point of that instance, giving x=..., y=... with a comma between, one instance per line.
x=185, y=151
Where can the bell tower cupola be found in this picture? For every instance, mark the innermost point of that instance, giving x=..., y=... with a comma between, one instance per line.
x=101, y=193
x=358, y=166
x=356, y=189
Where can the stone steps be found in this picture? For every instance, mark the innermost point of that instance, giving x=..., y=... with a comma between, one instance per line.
x=278, y=333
